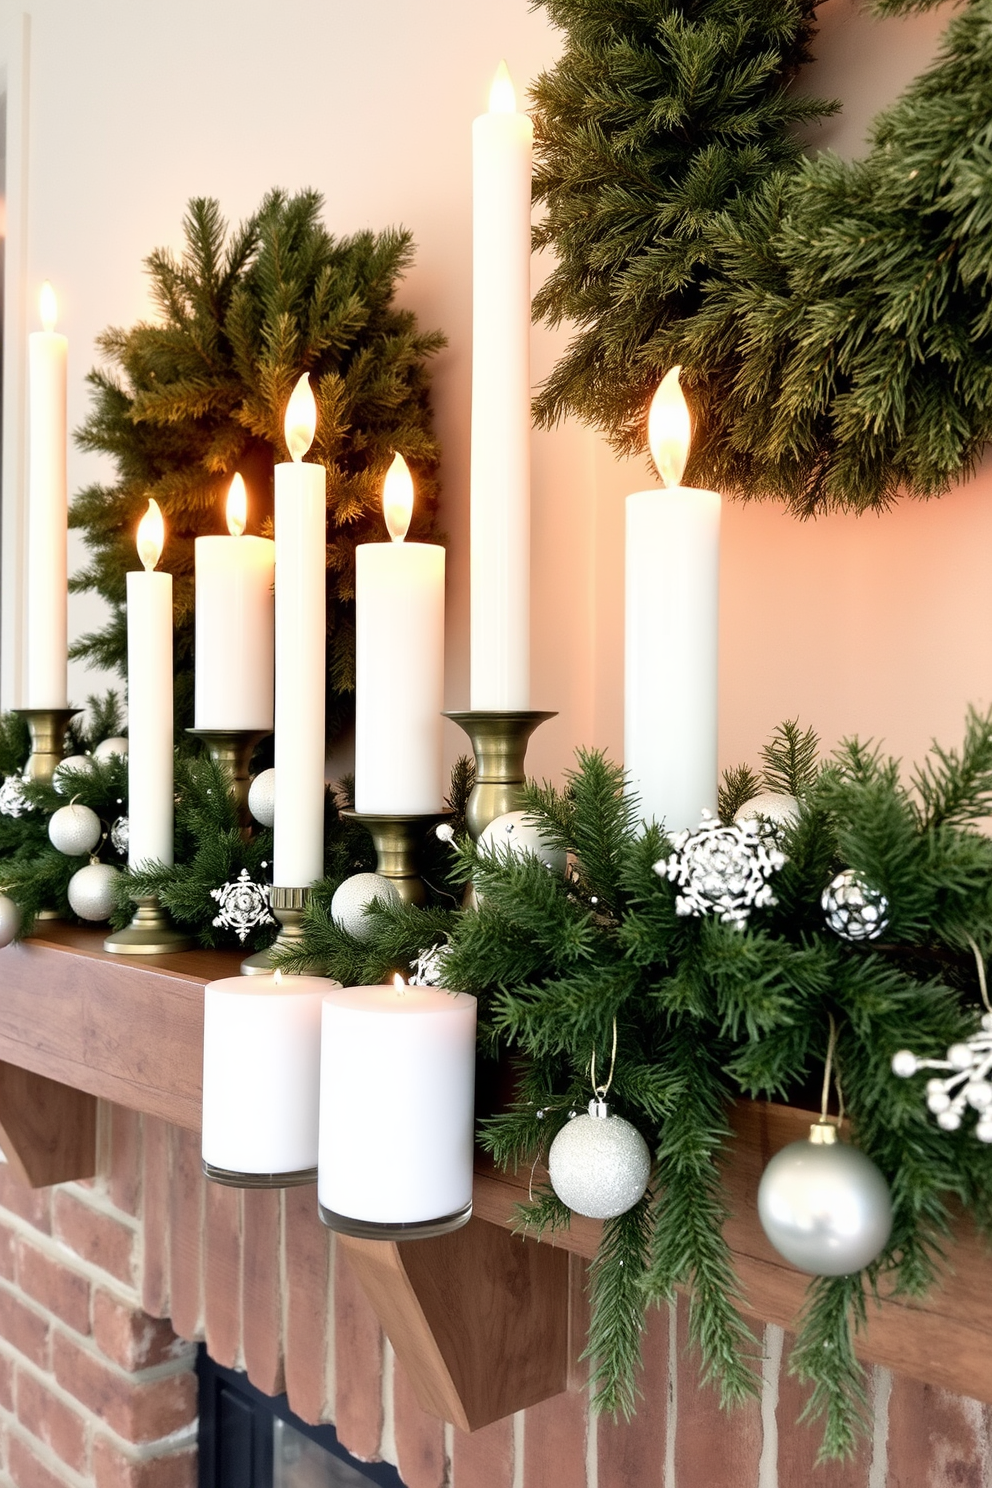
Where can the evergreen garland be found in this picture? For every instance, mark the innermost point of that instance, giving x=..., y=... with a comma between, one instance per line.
x=833, y=320
x=185, y=401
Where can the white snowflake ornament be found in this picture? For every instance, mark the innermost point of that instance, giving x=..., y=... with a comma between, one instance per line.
x=243, y=905
x=968, y=1084
x=428, y=969
x=722, y=870
x=12, y=801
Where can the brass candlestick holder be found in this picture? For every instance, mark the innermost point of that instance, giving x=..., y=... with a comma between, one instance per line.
x=397, y=842
x=150, y=933
x=232, y=749
x=499, y=743
x=47, y=728
x=287, y=906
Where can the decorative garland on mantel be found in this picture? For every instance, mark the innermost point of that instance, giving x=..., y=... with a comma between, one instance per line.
x=833, y=320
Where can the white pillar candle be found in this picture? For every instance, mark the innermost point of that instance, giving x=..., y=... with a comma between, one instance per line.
x=47, y=588
x=672, y=597
x=399, y=664
x=500, y=500
x=234, y=624
x=301, y=566
x=396, y=1107
x=261, y=1074
x=151, y=809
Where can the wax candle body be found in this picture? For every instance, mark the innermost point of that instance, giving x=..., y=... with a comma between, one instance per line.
x=300, y=610
x=47, y=523
x=151, y=809
x=396, y=1104
x=234, y=632
x=399, y=677
x=261, y=1073
x=670, y=684
x=500, y=494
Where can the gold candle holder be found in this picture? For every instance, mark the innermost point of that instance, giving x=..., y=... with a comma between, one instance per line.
x=47, y=728
x=288, y=906
x=397, y=842
x=499, y=743
x=232, y=749
x=150, y=933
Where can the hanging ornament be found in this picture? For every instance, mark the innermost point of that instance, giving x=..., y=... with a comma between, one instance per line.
x=262, y=798
x=353, y=896
x=514, y=834
x=12, y=798
x=242, y=905
x=722, y=870
x=91, y=891
x=66, y=772
x=599, y=1165
x=775, y=808
x=119, y=835
x=10, y=919
x=854, y=910
x=108, y=748
x=74, y=830
x=428, y=969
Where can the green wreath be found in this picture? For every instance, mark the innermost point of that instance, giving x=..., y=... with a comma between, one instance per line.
x=834, y=320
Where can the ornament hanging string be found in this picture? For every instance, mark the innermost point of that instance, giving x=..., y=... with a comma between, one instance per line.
x=828, y=1070
x=601, y=1091
x=980, y=967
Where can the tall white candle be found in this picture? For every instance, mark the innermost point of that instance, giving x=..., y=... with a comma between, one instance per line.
x=151, y=808
x=399, y=663
x=234, y=624
x=301, y=566
x=672, y=599
x=500, y=500
x=396, y=1105
x=47, y=589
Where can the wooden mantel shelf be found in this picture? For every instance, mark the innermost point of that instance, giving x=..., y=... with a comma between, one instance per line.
x=77, y=1025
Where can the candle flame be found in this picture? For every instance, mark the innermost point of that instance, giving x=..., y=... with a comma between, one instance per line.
x=277, y=977
x=502, y=94
x=397, y=498
x=399, y=984
x=151, y=535
x=237, y=506
x=301, y=418
x=669, y=429
x=48, y=307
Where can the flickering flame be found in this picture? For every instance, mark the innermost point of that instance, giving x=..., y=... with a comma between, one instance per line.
x=277, y=977
x=399, y=985
x=237, y=506
x=48, y=307
x=151, y=535
x=301, y=418
x=397, y=498
x=502, y=94
x=669, y=429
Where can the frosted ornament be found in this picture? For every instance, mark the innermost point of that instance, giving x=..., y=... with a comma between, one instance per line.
x=514, y=834
x=120, y=834
x=109, y=748
x=10, y=920
x=352, y=897
x=722, y=870
x=242, y=905
x=853, y=909
x=12, y=799
x=74, y=830
x=777, y=808
x=91, y=891
x=65, y=777
x=599, y=1164
x=262, y=798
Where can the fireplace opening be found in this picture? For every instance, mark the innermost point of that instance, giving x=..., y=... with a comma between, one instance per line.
x=252, y=1440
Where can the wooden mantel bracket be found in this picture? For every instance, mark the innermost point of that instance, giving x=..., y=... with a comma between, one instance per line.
x=47, y=1130
x=478, y=1318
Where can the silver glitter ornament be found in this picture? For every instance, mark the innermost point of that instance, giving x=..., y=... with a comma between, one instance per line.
x=854, y=910
x=12, y=801
x=351, y=898
x=119, y=835
x=599, y=1164
x=65, y=777
x=262, y=798
x=824, y=1205
x=91, y=891
x=10, y=920
x=776, y=808
x=969, y=1085
x=107, y=748
x=513, y=834
x=74, y=830
x=722, y=870
x=242, y=905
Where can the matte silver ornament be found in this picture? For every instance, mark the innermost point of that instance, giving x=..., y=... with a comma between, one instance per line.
x=854, y=910
x=775, y=807
x=65, y=777
x=10, y=919
x=351, y=898
x=91, y=891
x=824, y=1205
x=513, y=834
x=107, y=748
x=599, y=1164
x=74, y=830
x=262, y=798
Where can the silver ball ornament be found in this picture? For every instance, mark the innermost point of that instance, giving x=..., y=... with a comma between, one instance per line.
x=65, y=776
x=599, y=1164
x=120, y=834
x=351, y=898
x=776, y=807
x=854, y=910
x=74, y=830
x=91, y=891
x=513, y=834
x=825, y=1207
x=262, y=798
x=107, y=748
x=10, y=920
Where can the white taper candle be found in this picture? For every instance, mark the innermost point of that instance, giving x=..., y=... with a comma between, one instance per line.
x=47, y=589
x=150, y=760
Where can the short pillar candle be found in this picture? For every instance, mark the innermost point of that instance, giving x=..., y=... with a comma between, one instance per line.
x=397, y=1104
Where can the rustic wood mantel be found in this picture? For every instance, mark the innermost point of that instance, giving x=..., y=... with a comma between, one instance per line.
x=479, y=1319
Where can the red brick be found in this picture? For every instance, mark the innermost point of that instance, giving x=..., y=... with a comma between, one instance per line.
x=125, y=1159
x=799, y=1443
x=112, y=1469
x=555, y=1441
x=6, y=1383
x=484, y=1458
x=261, y=1289
x=24, y=1329
x=31, y=1204
x=185, y=1234
x=137, y=1410
x=155, y=1217
x=55, y=1285
x=8, y=1253
x=53, y=1422
x=358, y=1363
x=131, y=1338
x=25, y=1469
x=633, y=1452
x=222, y=1273
x=714, y=1448
x=936, y=1440
x=308, y=1279
x=578, y=1322
x=97, y=1237
x=421, y=1457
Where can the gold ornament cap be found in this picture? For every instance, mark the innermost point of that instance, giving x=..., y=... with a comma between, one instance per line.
x=823, y=1134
